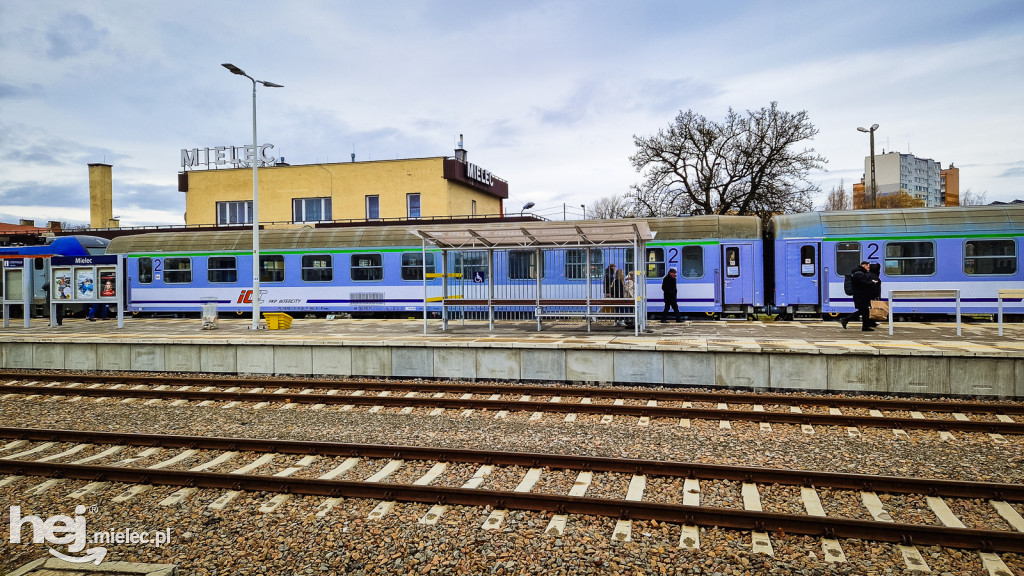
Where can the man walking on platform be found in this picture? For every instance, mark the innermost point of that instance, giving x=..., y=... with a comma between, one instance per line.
x=863, y=290
x=668, y=288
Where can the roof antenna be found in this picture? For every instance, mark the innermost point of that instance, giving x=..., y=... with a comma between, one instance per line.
x=353, y=152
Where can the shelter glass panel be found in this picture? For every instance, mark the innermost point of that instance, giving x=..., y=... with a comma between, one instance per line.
x=220, y=269
x=178, y=270
x=317, y=268
x=990, y=257
x=367, y=267
x=576, y=262
x=692, y=264
x=522, y=265
x=909, y=259
x=847, y=257
x=272, y=268
x=145, y=270
x=469, y=263
x=412, y=265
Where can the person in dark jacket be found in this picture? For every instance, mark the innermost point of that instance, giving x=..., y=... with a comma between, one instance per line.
x=864, y=285
x=668, y=288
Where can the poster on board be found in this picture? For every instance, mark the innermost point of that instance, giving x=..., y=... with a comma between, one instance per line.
x=65, y=288
x=108, y=284
x=86, y=279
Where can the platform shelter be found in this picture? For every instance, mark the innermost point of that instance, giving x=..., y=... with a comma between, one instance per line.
x=548, y=271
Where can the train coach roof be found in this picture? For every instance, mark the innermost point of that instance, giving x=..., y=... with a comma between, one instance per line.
x=701, y=227
x=273, y=239
x=897, y=222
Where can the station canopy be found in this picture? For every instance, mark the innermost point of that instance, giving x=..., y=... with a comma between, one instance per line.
x=540, y=234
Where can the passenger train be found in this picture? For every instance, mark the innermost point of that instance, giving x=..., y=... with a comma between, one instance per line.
x=728, y=266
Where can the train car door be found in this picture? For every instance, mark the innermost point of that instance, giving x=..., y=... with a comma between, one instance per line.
x=738, y=274
x=802, y=272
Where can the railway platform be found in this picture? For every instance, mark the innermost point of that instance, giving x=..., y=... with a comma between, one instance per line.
x=920, y=357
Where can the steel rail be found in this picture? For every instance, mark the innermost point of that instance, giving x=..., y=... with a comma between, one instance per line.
x=536, y=406
x=832, y=527
x=665, y=468
x=898, y=404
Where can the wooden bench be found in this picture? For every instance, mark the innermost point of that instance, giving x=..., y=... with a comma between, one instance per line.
x=1007, y=294
x=924, y=295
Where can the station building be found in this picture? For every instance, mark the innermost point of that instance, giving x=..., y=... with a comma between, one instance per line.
x=217, y=183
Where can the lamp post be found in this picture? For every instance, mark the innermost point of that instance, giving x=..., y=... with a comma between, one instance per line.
x=255, y=197
x=526, y=207
x=874, y=184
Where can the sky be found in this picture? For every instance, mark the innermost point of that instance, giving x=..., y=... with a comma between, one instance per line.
x=548, y=94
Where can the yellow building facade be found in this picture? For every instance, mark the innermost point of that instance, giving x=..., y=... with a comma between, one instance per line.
x=374, y=190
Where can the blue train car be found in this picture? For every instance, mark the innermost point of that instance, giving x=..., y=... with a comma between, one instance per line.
x=973, y=249
x=379, y=269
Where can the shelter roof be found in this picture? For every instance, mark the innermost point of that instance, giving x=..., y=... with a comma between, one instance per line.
x=542, y=234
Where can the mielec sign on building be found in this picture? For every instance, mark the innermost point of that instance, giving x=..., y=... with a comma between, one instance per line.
x=236, y=156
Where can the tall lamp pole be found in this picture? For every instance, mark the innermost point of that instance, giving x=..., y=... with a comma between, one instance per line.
x=255, y=197
x=874, y=185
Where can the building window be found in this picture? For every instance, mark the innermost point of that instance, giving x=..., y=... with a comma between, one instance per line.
x=909, y=259
x=145, y=270
x=472, y=207
x=311, y=209
x=692, y=264
x=412, y=265
x=177, y=270
x=272, y=268
x=367, y=267
x=655, y=262
x=317, y=268
x=990, y=257
x=221, y=269
x=576, y=262
x=847, y=257
x=234, y=212
x=412, y=205
x=372, y=207
x=522, y=265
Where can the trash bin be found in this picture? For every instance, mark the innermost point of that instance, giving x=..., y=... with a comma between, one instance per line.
x=210, y=315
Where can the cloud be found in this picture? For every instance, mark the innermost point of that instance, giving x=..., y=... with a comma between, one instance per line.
x=1013, y=172
x=73, y=35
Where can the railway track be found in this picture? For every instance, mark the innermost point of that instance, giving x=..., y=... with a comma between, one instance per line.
x=807, y=411
x=190, y=462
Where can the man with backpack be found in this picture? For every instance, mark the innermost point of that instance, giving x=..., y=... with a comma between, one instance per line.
x=862, y=290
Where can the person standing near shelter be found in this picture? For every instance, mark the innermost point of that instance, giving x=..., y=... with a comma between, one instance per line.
x=863, y=291
x=609, y=278
x=630, y=292
x=669, y=288
x=619, y=291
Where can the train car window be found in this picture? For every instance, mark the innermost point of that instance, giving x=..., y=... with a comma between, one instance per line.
x=732, y=262
x=177, y=270
x=576, y=262
x=847, y=257
x=807, y=261
x=367, y=267
x=272, y=268
x=655, y=262
x=909, y=259
x=630, y=264
x=145, y=270
x=990, y=257
x=412, y=265
x=317, y=268
x=692, y=263
x=522, y=265
x=221, y=269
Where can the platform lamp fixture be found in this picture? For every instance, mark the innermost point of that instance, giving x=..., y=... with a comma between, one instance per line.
x=526, y=207
x=874, y=184
x=255, y=197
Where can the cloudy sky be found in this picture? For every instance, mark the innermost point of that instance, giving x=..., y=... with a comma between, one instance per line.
x=549, y=94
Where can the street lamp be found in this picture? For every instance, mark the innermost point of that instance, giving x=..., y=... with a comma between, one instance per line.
x=526, y=207
x=874, y=183
x=255, y=198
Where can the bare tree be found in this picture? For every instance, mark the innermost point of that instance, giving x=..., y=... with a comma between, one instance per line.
x=615, y=206
x=838, y=199
x=970, y=198
x=746, y=164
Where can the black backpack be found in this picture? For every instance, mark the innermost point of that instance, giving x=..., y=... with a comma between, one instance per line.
x=848, y=284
